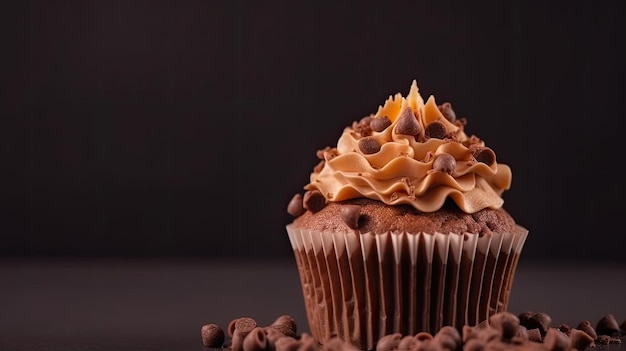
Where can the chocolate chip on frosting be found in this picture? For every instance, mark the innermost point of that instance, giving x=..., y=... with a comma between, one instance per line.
x=295, y=206
x=314, y=200
x=444, y=163
x=407, y=123
x=436, y=130
x=362, y=127
x=447, y=111
x=369, y=145
x=379, y=124
x=484, y=155
x=350, y=215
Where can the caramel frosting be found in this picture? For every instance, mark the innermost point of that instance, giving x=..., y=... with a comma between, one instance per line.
x=414, y=153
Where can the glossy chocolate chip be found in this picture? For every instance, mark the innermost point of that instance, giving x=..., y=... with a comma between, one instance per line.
x=580, y=340
x=369, y=145
x=212, y=335
x=350, y=215
x=295, y=206
x=485, y=155
x=444, y=163
x=379, y=124
x=314, y=200
x=436, y=130
x=540, y=320
x=447, y=111
x=607, y=325
x=407, y=123
x=586, y=327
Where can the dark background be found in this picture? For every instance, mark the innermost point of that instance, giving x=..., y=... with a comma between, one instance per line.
x=183, y=128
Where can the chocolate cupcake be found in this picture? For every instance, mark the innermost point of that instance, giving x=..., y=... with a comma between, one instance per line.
x=402, y=229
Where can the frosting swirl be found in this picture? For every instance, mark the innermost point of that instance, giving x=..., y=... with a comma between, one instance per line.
x=414, y=153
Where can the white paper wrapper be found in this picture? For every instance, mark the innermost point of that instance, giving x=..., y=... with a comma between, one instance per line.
x=361, y=287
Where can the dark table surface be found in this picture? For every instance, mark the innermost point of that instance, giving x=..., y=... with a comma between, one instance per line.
x=161, y=304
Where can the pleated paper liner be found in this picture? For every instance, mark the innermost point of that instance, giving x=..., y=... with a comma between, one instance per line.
x=361, y=287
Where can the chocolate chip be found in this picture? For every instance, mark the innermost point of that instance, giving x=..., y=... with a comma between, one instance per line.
x=389, y=342
x=444, y=163
x=474, y=345
x=586, y=327
x=350, y=215
x=615, y=340
x=363, y=126
x=287, y=343
x=607, y=325
x=231, y=327
x=286, y=324
x=579, y=340
x=408, y=342
x=453, y=333
x=314, y=200
x=379, y=124
x=436, y=130
x=369, y=146
x=485, y=155
x=295, y=206
x=423, y=336
x=532, y=320
x=337, y=344
x=534, y=334
x=565, y=328
x=244, y=325
x=273, y=334
x=447, y=111
x=212, y=335
x=555, y=340
x=522, y=332
x=445, y=342
x=255, y=340
x=407, y=123
x=507, y=323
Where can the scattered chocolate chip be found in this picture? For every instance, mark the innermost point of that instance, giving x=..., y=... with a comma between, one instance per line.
x=534, y=334
x=436, y=130
x=295, y=206
x=231, y=327
x=423, y=336
x=580, y=340
x=273, y=334
x=369, y=145
x=532, y=320
x=243, y=327
x=407, y=123
x=350, y=215
x=287, y=343
x=337, y=344
x=444, y=342
x=314, y=200
x=444, y=163
x=212, y=335
x=614, y=340
x=286, y=324
x=379, y=124
x=408, y=342
x=522, y=332
x=586, y=327
x=565, y=328
x=389, y=342
x=555, y=340
x=485, y=155
x=474, y=345
x=607, y=325
x=447, y=111
x=255, y=340
x=507, y=323
x=452, y=332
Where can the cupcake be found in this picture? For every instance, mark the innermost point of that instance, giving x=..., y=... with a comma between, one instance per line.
x=402, y=229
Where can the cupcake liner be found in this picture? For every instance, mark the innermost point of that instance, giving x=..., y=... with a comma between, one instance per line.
x=361, y=287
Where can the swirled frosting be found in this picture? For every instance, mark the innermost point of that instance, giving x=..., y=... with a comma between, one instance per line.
x=414, y=153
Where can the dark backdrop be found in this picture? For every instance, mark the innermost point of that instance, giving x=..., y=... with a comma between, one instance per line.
x=183, y=128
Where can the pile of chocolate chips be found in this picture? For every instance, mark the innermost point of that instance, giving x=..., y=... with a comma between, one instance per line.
x=502, y=331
